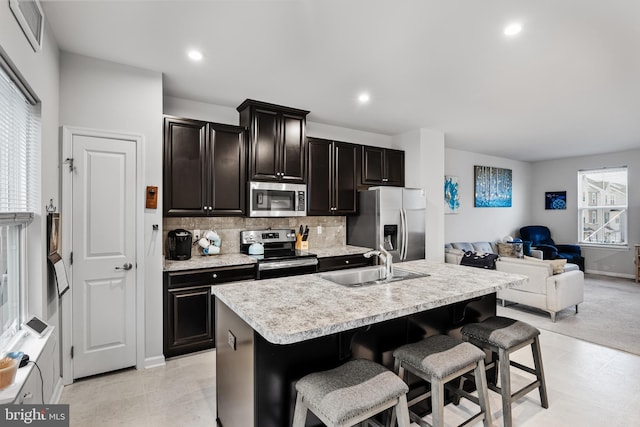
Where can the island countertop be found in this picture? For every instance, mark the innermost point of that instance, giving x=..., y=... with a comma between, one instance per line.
x=298, y=308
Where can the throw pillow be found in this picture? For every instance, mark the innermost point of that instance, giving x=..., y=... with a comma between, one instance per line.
x=557, y=265
x=510, y=249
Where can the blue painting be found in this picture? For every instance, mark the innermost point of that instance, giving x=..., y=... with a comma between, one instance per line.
x=493, y=187
x=555, y=200
x=451, y=195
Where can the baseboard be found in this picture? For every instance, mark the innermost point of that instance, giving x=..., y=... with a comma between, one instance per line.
x=154, y=362
x=57, y=391
x=611, y=274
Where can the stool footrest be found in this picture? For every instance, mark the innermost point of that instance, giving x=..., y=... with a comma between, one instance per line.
x=523, y=367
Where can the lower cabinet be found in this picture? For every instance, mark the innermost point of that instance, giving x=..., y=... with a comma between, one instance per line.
x=343, y=261
x=189, y=306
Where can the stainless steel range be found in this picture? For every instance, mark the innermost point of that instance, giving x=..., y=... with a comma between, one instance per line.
x=276, y=253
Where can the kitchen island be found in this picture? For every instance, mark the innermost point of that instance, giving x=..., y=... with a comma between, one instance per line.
x=273, y=332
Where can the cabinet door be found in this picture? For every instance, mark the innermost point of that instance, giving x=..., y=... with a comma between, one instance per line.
x=320, y=178
x=292, y=134
x=394, y=167
x=265, y=147
x=185, y=192
x=227, y=163
x=345, y=182
x=372, y=165
x=190, y=320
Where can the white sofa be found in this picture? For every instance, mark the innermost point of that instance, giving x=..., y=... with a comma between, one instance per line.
x=545, y=290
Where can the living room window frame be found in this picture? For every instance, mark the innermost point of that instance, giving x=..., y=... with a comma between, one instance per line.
x=586, y=208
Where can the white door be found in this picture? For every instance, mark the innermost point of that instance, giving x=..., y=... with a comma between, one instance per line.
x=104, y=258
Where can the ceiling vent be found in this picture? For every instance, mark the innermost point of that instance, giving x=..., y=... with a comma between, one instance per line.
x=29, y=15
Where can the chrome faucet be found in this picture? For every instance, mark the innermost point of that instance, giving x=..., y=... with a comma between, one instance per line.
x=385, y=257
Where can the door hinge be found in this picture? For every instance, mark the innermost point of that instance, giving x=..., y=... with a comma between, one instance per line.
x=71, y=258
x=72, y=352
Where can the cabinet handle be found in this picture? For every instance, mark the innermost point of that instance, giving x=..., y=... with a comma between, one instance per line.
x=385, y=179
x=346, y=262
x=214, y=275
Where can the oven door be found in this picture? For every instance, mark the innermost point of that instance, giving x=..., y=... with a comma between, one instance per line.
x=283, y=268
x=267, y=199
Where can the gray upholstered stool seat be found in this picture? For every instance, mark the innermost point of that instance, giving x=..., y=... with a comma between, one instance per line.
x=502, y=336
x=438, y=360
x=350, y=394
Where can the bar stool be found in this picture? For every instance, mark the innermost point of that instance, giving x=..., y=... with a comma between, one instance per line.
x=351, y=394
x=503, y=336
x=439, y=359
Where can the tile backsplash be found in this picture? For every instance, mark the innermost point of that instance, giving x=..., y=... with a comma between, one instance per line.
x=333, y=229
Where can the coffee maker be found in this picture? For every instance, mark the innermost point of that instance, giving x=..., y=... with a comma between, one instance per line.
x=179, y=243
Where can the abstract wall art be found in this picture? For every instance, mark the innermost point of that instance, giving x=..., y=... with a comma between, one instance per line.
x=493, y=187
x=451, y=195
x=555, y=200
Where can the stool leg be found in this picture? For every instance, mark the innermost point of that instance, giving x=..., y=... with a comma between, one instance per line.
x=537, y=360
x=505, y=386
x=483, y=396
x=437, y=402
x=300, y=413
x=402, y=411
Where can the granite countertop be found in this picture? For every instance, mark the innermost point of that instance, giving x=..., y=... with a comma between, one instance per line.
x=226, y=260
x=208, y=261
x=299, y=308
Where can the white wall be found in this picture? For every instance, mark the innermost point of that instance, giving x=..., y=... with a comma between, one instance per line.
x=473, y=224
x=562, y=175
x=40, y=71
x=103, y=95
x=424, y=168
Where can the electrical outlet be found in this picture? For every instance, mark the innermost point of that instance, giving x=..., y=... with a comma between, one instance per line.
x=196, y=235
x=319, y=230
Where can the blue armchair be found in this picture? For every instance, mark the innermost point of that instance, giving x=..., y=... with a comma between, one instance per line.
x=540, y=238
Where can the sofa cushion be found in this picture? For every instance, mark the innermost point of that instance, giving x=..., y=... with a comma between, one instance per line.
x=485, y=247
x=465, y=246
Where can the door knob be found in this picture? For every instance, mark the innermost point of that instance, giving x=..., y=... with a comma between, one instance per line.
x=126, y=266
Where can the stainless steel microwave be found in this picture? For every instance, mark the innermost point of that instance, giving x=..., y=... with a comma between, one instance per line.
x=274, y=199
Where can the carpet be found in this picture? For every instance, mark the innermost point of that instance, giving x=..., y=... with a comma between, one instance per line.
x=609, y=315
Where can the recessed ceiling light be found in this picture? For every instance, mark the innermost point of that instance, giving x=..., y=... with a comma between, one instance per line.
x=195, y=55
x=512, y=29
x=363, y=98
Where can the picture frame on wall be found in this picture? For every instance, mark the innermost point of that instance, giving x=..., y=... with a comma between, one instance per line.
x=493, y=187
x=53, y=234
x=555, y=200
x=451, y=194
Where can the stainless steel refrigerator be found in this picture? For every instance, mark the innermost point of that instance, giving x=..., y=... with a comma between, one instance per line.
x=392, y=216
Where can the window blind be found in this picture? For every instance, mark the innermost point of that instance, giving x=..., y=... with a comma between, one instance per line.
x=19, y=149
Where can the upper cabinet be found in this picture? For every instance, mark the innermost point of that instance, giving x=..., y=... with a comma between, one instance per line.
x=277, y=141
x=332, y=183
x=204, y=168
x=382, y=166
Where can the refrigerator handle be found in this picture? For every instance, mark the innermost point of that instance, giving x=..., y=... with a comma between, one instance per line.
x=405, y=235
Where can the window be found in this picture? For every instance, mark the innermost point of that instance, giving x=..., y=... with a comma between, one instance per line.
x=606, y=223
x=19, y=192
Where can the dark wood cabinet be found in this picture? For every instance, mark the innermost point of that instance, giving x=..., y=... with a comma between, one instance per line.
x=277, y=141
x=382, y=166
x=204, y=168
x=344, y=261
x=332, y=181
x=189, y=307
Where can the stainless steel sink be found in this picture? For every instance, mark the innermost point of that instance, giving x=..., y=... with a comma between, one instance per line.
x=366, y=276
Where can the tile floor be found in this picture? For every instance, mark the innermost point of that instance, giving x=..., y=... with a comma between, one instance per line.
x=588, y=385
